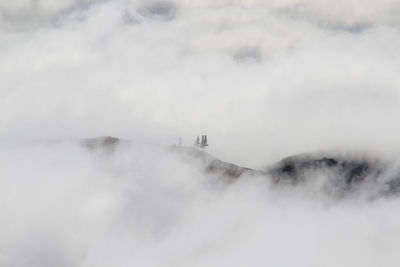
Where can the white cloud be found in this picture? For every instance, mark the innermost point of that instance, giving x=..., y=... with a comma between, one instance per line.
x=264, y=80
x=315, y=69
x=64, y=206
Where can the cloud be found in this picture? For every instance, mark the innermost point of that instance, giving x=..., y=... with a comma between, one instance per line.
x=248, y=54
x=140, y=205
x=263, y=79
x=133, y=68
x=30, y=14
x=161, y=10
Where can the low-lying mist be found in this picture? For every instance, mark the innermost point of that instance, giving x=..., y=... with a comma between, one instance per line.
x=264, y=79
x=64, y=204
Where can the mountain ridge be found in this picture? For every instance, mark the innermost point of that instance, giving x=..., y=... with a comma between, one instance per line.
x=342, y=174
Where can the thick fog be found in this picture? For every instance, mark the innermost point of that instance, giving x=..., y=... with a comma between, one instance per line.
x=62, y=205
x=263, y=79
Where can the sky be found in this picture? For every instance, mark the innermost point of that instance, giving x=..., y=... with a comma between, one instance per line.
x=264, y=79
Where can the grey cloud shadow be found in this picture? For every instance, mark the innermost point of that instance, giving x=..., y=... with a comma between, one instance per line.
x=354, y=28
x=160, y=10
x=130, y=18
x=301, y=12
x=78, y=9
x=35, y=17
x=22, y=20
x=247, y=54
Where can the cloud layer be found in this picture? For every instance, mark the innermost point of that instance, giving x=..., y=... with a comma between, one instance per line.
x=267, y=77
x=264, y=80
x=140, y=205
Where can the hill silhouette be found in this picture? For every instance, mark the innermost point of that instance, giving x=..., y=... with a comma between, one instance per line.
x=337, y=174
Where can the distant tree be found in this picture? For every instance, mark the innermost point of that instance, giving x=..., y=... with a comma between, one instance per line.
x=203, y=143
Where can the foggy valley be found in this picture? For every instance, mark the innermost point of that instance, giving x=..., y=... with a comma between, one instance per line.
x=101, y=102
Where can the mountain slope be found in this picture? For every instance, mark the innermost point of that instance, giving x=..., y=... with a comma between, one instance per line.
x=334, y=174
